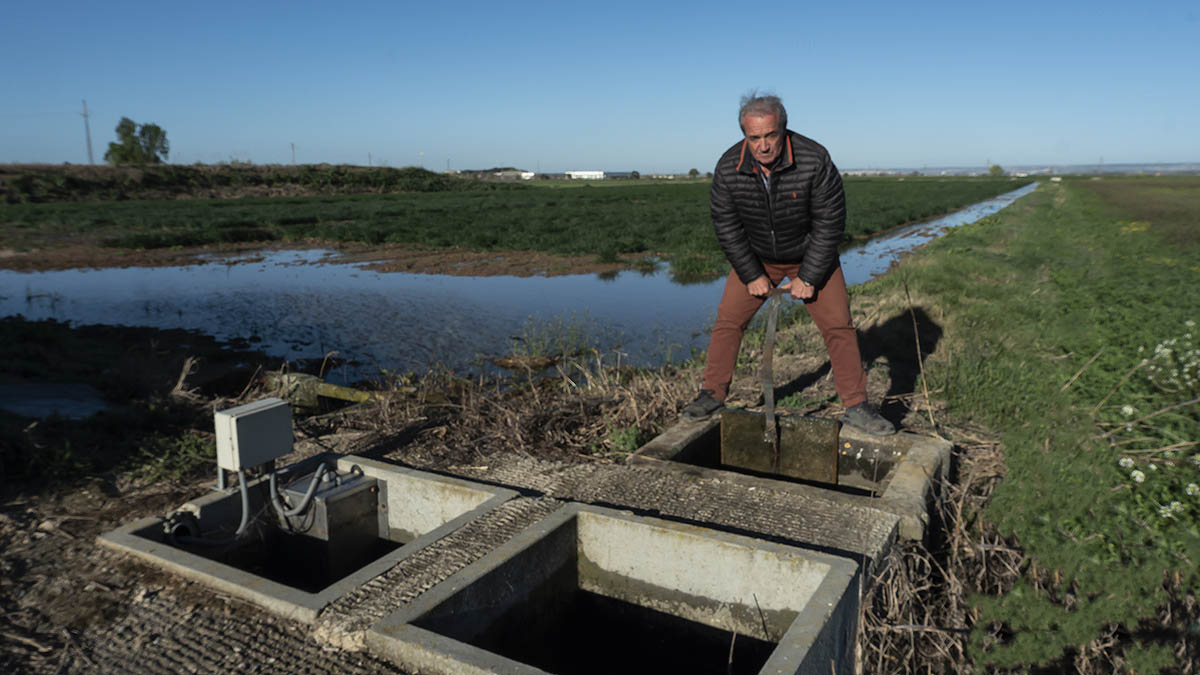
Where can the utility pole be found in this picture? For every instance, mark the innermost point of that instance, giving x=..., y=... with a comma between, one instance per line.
x=87, y=130
x=368, y=159
x=293, y=153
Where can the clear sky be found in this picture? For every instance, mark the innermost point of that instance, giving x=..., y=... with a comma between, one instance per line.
x=613, y=85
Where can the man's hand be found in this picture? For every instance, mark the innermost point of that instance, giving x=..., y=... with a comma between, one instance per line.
x=759, y=287
x=801, y=290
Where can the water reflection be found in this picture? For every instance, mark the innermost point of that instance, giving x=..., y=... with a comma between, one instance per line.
x=290, y=305
x=862, y=263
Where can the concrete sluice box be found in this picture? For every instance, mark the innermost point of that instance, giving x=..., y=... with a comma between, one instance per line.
x=594, y=590
x=355, y=530
x=896, y=474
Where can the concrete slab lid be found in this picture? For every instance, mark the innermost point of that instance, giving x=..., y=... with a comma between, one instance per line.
x=398, y=638
x=283, y=600
x=926, y=461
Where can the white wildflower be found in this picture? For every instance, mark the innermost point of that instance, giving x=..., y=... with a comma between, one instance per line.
x=1127, y=410
x=1137, y=476
x=1176, y=507
x=1189, y=323
x=1154, y=467
x=1192, y=489
x=1125, y=463
x=1165, y=512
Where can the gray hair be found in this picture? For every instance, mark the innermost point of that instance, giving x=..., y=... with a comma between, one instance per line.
x=754, y=105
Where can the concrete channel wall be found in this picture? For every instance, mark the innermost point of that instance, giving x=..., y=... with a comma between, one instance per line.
x=803, y=602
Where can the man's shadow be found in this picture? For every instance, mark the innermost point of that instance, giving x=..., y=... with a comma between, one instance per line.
x=895, y=340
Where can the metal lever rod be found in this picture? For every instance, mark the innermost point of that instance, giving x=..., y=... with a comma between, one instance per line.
x=771, y=430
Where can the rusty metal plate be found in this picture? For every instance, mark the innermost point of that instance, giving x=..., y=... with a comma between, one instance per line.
x=808, y=446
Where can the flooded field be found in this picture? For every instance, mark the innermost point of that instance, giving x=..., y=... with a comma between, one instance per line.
x=305, y=304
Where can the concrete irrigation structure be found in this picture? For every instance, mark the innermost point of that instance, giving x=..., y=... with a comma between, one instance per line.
x=519, y=504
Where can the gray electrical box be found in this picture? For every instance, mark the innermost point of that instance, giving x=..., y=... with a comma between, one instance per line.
x=340, y=526
x=253, y=434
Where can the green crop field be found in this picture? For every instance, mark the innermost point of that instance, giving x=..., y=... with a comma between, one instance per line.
x=1070, y=331
x=624, y=221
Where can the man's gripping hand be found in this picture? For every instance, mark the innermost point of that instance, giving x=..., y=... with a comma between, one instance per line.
x=759, y=288
x=801, y=290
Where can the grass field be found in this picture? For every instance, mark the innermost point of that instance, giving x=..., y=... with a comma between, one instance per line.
x=1070, y=331
x=622, y=221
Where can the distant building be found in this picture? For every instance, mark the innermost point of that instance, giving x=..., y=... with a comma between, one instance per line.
x=872, y=172
x=513, y=174
x=585, y=175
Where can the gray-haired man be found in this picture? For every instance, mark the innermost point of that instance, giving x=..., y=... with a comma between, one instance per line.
x=779, y=210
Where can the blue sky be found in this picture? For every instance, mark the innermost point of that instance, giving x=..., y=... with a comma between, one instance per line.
x=613, y=85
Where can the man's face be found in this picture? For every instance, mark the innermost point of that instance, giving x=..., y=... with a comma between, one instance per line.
x=765, y=137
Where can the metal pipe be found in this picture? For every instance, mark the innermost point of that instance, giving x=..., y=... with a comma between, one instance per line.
x=242, y=526
x=304, y=502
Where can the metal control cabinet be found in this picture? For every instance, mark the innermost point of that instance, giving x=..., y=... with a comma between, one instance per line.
x=340, y=526
x=253, y=434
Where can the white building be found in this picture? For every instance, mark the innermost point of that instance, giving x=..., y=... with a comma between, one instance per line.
x=585, y=175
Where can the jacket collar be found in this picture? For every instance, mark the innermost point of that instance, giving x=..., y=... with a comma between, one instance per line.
x=747, y=163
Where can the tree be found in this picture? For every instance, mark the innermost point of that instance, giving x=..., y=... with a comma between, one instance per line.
x=692, y=173
x=634, y=175
x=138, y=144
x=995, y=170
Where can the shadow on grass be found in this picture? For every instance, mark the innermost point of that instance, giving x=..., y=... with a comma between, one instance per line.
x=895, y=341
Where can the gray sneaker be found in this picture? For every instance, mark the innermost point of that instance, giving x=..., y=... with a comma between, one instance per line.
x=866, y=418
x=703, y=407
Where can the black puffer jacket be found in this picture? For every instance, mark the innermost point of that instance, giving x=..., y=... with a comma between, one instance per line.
x=799, y=219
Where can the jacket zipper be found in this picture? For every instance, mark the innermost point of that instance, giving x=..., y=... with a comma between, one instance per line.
x=772, y=182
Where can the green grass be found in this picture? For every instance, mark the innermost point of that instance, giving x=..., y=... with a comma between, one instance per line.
x=1049, y=309
x=629, y=219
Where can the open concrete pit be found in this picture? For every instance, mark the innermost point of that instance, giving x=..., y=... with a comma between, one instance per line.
x=365, y=516
x=896, y=474
x=594, y=590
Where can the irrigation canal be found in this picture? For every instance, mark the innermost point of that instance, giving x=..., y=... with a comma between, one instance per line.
x=288, y=304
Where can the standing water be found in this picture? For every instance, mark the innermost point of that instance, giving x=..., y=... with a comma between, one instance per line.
x=295, y=307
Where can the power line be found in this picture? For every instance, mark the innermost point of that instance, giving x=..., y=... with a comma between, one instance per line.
x=87, y=130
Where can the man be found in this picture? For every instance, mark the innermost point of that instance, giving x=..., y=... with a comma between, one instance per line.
x=779, y=211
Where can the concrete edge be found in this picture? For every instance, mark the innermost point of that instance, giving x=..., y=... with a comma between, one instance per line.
x=490, y=561
x=425, y=651
x=376, y=465
x=681, y=434
x=285, y=601
x=279, y=599
x=395, y=638
x=385, y=562
x=914, y=483
x=713, y=532
x=839, y=592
